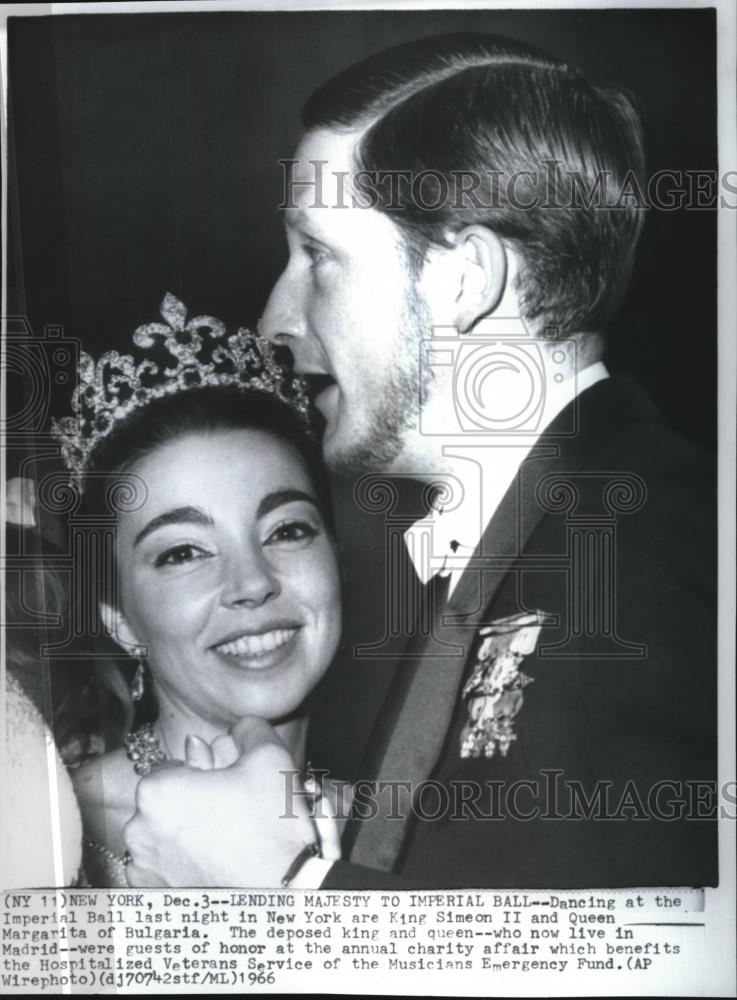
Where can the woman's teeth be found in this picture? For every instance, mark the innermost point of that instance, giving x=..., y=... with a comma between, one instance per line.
x=257, y=645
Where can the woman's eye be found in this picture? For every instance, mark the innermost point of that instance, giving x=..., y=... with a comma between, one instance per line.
x=292, y=531
x=179, y=555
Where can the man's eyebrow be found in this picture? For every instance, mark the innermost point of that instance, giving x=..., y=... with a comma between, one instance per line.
x=293, y=217
x=280, y=497
x=178, y=515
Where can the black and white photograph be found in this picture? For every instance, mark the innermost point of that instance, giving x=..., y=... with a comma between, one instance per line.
x=368, y=451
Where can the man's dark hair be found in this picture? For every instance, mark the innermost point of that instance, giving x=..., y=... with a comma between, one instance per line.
x=492, y=108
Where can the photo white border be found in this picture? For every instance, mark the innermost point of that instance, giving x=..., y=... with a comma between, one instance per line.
x=720, y=939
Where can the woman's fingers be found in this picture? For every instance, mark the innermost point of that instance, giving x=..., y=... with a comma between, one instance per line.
x=252, y=732
x=224, y=751
x=198, y=754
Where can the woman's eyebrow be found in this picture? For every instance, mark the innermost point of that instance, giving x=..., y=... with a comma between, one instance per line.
x=279, y=497
x=179, y=515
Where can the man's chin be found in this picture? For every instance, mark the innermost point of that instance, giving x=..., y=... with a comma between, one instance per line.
x=353, y=455
x=341, y=461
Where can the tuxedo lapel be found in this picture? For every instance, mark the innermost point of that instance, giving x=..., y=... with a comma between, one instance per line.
x=413, y=726
x=504, y=538
x=577, y=433
x=409, y=734
x=565, y=446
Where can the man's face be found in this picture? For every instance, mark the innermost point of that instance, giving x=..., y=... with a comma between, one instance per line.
x=348, y=309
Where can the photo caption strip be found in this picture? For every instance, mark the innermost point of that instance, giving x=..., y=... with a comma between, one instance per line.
x=627, y=941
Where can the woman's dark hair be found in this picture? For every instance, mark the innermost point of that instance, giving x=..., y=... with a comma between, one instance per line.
x=81, y=704
x=35, y=586
x=476, y=128
x=196, y=411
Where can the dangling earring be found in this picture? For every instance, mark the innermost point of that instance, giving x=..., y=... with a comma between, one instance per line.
x=139, y=678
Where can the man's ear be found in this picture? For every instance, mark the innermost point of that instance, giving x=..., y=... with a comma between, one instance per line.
x=117, y=627
x=483, y=275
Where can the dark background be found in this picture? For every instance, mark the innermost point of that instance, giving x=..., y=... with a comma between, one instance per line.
x=143, y=159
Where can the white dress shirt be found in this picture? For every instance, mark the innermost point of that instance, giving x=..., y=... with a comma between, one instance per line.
x=445, y=539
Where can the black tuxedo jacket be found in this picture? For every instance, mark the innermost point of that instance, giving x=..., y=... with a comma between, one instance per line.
x=610, y=529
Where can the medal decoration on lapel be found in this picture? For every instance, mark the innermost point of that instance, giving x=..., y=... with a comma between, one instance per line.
x=496, y=685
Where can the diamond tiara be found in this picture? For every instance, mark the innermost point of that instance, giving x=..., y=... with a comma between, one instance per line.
x=176, y=356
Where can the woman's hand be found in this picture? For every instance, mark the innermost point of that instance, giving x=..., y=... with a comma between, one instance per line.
x=229, y=826
x=203, y=756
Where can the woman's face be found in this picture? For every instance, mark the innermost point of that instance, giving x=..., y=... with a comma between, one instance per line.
x=228, y=575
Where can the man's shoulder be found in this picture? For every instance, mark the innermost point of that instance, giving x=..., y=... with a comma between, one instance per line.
x=657, y=489
x=674, y=475
x=626, y=441
x=625, y=426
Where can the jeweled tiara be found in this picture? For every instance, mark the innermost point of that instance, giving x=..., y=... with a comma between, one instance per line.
x=176, y=356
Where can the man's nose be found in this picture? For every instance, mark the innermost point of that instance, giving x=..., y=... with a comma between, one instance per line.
x=283, y=318
x=250, y=580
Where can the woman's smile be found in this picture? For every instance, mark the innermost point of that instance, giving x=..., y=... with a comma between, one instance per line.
x=259, y=650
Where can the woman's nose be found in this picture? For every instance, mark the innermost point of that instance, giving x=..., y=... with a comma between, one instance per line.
x=283, y=321
x=250, y=581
